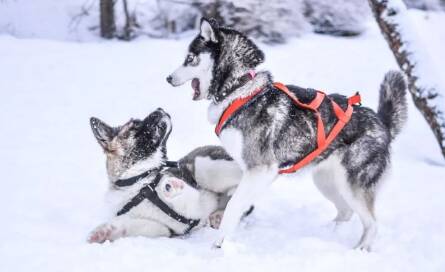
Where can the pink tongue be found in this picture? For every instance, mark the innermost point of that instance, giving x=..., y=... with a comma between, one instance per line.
x=195, y=84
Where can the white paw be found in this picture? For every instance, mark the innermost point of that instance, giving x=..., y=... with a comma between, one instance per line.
x=343, y=216
x=217, y=244
x=105, y=232
x=363, y=247
x=215, y=219
x=367, y=239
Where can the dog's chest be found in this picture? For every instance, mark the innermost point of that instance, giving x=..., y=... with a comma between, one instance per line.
x=116, y=199
x=197, y=207
x=233, y=142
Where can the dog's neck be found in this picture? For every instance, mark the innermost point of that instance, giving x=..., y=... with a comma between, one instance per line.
x=231, y=84
x=155, y=161
x=261, y=80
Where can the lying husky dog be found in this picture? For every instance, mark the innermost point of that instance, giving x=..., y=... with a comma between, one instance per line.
x=154, y=200
x=270, y=132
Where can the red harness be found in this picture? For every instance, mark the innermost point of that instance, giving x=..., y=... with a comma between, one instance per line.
x=323, y=141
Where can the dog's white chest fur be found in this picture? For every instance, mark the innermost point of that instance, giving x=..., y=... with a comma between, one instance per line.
x=191, y=203
x=232, y=141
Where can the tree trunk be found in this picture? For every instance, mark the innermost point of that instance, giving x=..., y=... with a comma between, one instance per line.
x=424, y=85
x=128, y=22
x=107, y=22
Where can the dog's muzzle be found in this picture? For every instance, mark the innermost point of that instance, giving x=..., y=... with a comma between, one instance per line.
x=169, y=79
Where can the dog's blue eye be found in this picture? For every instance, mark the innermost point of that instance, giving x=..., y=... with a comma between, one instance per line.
x=192, y=60
x=168, y=187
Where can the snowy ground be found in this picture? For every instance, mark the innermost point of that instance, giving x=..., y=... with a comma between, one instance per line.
x=54, y=173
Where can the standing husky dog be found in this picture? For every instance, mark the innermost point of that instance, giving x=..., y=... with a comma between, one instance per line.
x=151, y=200
x=270, y=132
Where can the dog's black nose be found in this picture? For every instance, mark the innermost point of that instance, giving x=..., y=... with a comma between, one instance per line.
x=169, y=79
x=163, y=112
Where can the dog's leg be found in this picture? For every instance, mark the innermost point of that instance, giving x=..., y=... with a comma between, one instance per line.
x=337, y=185
x=362, y=202
x=365, y=162
x=253, y=183
x=216, y=217
x=327, y=182
x=124, y=226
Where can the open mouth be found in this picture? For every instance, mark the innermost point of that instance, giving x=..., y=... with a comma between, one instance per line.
x=195, y=87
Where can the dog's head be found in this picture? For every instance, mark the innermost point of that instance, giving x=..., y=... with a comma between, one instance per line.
x=138, y=145
x=216, y=58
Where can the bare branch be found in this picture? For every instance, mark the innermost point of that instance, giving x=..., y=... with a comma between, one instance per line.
x=426, y=93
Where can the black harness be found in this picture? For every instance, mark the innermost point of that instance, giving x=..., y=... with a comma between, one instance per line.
x=133, y=180
x=149, y=192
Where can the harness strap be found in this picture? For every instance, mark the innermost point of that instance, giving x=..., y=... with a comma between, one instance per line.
x=130, y=181
x=323, y=141
x=173, y=164
x=313, y=105
x=148, y=192
x=234, y=107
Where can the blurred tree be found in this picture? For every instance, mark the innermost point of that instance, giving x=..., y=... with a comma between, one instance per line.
x=172, y=17
x=423, y=4
x=276, y=21
x=337, y=17
x=268, y=21
x=128, y=31
x=107, y=20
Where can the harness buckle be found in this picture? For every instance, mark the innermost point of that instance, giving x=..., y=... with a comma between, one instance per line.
x=355, y=100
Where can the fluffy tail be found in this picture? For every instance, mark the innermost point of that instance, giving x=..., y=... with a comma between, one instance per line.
x=392, y=109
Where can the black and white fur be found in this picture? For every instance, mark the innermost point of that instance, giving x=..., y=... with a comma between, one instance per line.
x=271, y=132
x=140, y=146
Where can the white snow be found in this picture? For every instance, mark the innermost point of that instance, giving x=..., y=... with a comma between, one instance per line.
x=49, y=19
x=54, y=179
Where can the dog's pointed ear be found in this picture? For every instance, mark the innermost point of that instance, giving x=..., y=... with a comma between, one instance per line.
x=208, y=29
x=103, y=132
x=125, y=129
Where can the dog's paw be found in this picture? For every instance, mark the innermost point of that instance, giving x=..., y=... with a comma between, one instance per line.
x=343, y=216
x=105, y=232
x=215, y=219
x=363, y=246
x=217, y=244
